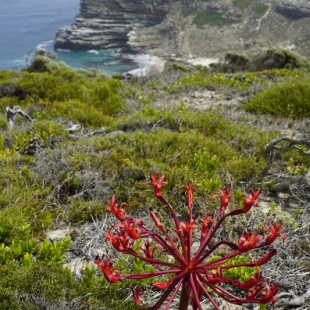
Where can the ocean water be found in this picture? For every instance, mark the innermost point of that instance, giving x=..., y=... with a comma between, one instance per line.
x=26, y=25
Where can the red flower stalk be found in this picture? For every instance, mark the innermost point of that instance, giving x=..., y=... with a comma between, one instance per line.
x=192, y=270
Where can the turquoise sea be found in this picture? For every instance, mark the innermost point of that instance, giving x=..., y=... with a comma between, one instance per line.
x=26, y=25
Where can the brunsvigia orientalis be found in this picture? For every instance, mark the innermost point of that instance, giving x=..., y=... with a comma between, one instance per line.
x=189, y=271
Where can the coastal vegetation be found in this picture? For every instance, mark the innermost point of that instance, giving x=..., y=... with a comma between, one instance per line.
x=242, y=4
x=92, y=136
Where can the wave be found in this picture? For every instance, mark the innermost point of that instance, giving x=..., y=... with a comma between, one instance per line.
x=93, y=52
x=111, y=63
x=44, y=44
x=63, y=50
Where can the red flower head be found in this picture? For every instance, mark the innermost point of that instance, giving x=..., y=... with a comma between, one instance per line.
x=119, y=213
x=157, y=184
x=133, y=230
x=273, y=233
x=248, y=241
x=224, y=197
x=149, y=253
x=136, y=292
x=253, y=281
x=205, y=225
x=190, y=198
x=112, y=275
x=161, y=285
x=187, y=227
x=116, y=242
x=156, y=220
x=250, y=200
x=265, y=293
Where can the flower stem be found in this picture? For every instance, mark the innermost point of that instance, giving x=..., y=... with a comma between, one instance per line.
x=184, y=300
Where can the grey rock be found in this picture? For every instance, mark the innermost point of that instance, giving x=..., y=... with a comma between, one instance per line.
x=294, y=9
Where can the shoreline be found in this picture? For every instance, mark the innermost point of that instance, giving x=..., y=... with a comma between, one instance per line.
x=146, y=62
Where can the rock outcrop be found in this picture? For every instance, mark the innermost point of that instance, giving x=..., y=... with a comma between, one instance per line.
x=105, y=24
x=209, y=28
x=294, y=9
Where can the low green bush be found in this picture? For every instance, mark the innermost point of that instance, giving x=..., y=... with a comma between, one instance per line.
x=87, y=98
x=47, y=285
x=289, y=98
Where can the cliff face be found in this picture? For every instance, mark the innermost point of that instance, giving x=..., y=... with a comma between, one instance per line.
x=106, y=23
x=189, y=28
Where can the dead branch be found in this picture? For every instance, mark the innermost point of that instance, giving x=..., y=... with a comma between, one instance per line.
x=293, y=300
x=273, y=147
x=11, y=113
x=291, y=144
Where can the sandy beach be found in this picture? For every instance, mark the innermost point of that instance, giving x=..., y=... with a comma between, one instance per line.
x=147, y=62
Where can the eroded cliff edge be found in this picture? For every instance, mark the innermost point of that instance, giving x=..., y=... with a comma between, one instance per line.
x=189, y=28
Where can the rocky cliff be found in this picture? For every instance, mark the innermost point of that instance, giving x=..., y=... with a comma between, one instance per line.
x=105, y=24
x=189, y=28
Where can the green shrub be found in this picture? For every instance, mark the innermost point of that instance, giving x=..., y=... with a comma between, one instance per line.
x=239, y=273
x=205, y=17
x=48, y=285
x=242, y=4
x=289, y=98
x=88, y=98
x=259, y=10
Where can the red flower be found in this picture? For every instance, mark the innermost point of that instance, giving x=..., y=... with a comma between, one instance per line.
x=149, y=253
x=253, y=281
x=273, y=233
x=264, y=292
x=192, y=267
x=224, y=197
x=120, y=243
x=156, y=220
x=112, y=275
x=157, y=184
x=248, y=241
x=133, y=230
x=119, y=213
x=250, y=200
x=161, y=285
x=187, y=227
x=190, y=198
x=116, y=242
x=205, y=225
x=136, y=295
